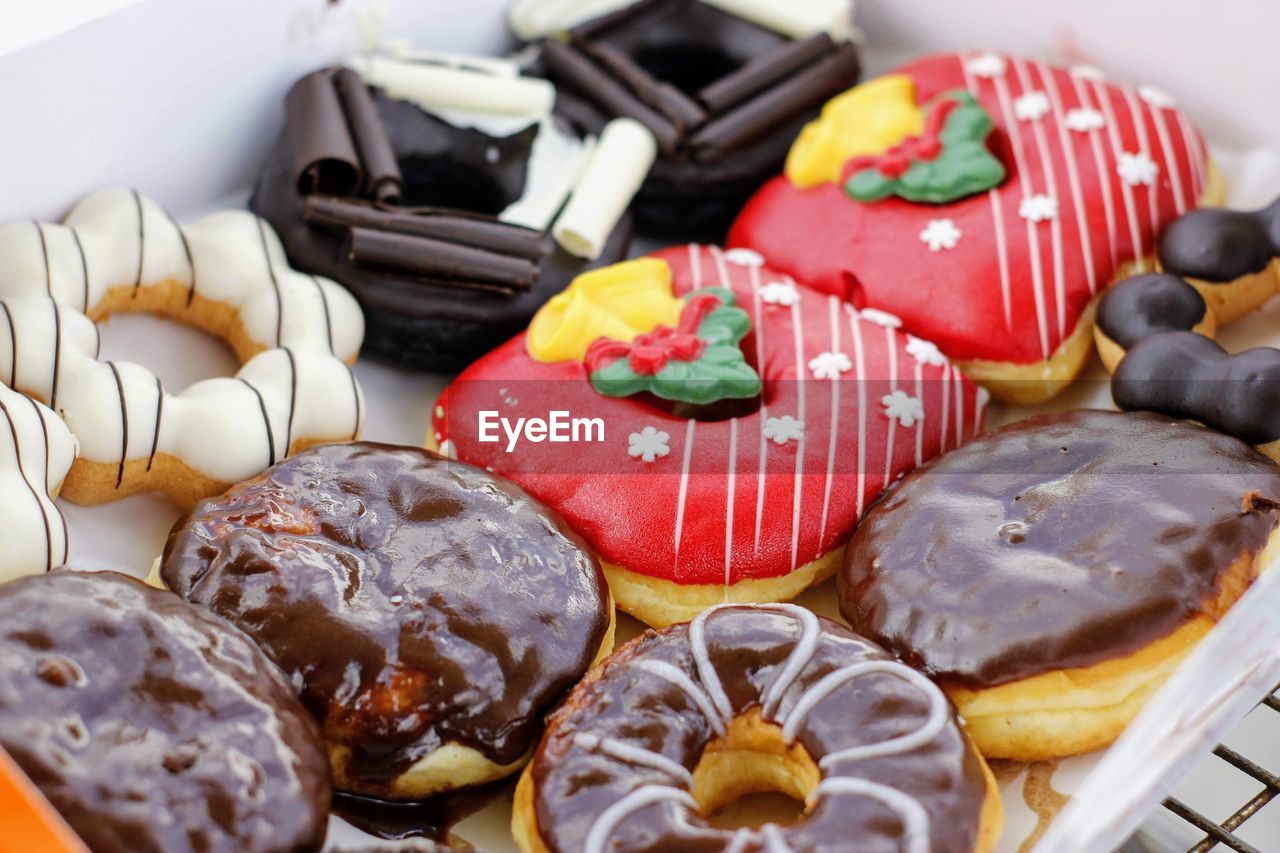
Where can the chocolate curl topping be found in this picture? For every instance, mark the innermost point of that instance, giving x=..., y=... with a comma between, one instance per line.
x=667, y=99
x=496, y=237
x=764, y=71
x=324, y=156
x=437, y=259
x=790, y=97
x=573, y=68
x=382, y=179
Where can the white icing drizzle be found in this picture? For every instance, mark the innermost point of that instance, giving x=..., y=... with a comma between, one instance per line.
x=773, y=840
x=688, y=686
x=36, y=451
x=915, y=820
x=801, y=653
x=702, y=659
x=301, y=384
x=642, y=797
x=637, y=755
x=739, y=841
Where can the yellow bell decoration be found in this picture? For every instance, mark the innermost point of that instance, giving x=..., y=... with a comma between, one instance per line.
x=618, y=302
x=868, y=119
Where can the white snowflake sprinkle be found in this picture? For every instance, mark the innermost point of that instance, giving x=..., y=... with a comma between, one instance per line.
x=779, y=293
x=940, y=234
x=744, y=257
x=783, y=429
x=881, y=318
x=986, y=65
x=925, y=352
x=1087, y=72
x=1084, y=119
x=1031, y=106
x=1038, y=208
x=648, y=444
x=903, y=408
x=1156, y=97
x=1137, y=168
x=829, y=365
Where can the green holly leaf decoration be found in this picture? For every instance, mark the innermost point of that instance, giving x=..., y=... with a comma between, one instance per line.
x=700, y=361
x=960, y=165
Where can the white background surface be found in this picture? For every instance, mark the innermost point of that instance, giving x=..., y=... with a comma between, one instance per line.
x=180, y=98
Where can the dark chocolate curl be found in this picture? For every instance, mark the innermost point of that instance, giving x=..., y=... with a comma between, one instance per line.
x=761, y=73
x=569, y=66
x=324, y=155
x=382, y=179
x=667, y=99
x=438, y=259
x=497, y=237
x=776, y=104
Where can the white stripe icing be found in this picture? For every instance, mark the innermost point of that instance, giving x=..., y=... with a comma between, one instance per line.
x=915, y=820
x=642, y=797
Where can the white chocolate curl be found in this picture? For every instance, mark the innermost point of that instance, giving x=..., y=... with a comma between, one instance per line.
x=535, y=19
x=436, y=87
x=618, y=166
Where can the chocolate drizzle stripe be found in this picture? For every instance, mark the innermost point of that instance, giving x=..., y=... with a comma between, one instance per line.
x=324, y=303
x=22, y=472
x=84, y=269
x=498, y=237
x=124, y=419
x=355, y=395
x=57, y=354
x=142, y=241
x=48, y=485
x=266, y=421
x=44, y=250
x=293, y=400
x=13, y=344
x=155, y=438
x=437, y=258
x=764, y=71
x=275, y=284
x=186, y=249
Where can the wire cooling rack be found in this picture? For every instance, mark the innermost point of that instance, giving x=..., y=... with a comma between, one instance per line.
x=1184, y=821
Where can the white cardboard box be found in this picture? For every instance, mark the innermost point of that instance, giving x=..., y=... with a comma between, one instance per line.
x=181, y=97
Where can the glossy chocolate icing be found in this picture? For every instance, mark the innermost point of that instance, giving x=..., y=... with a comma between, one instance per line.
x=1220, y=245
x=411, y=320
x=1148, y=304
x=1059, y=541
x=627, y=702
x=724, y=96
x=1188, y=376
x=151, y=724
x=413, y=601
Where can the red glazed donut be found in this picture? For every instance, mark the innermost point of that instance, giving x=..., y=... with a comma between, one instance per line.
x=686, y=512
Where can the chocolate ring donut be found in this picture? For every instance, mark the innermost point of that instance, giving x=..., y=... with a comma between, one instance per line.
x=1219, y=265
x=430, y=234
x=748, y=698
x=1052, y=573
x=428, y=613
x=723, y=95
x=126, y=705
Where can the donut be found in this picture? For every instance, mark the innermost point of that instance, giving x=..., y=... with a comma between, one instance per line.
x=786, y=413
x=428, y=613
x=723, y=85
x=36, y=451
x=1051, y=574
x=680, y=722
x=985, y=200
x=1154, y=331
x=434, y=194
x=150, y=724
x=118, y=251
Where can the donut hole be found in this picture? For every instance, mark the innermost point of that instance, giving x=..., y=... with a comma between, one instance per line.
x=688, y=66
x=748, y=767
x=443, y=182
x=153, y=341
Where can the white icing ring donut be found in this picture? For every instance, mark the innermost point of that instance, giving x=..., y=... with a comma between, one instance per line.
x=36, y=451
x=295, y=334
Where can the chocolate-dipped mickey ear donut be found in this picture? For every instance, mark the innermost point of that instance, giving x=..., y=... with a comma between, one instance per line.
x=1219, y=265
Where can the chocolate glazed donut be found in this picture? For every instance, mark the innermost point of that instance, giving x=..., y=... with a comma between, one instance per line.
x=1051, y=573
x=748, y=698
x=151, y=724
x=1219, y=265
x=723, y=96
x=423, y=319
x=428, y=613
